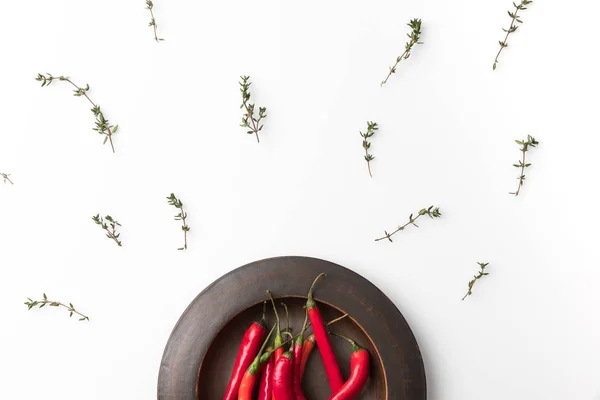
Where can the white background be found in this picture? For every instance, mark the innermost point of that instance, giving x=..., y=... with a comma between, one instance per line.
x=446, y=138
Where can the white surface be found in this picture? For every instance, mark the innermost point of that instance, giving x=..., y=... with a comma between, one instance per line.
x=447, y=125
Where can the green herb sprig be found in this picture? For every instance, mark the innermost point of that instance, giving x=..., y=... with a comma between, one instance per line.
x=371, y=128
x=249, y=120
x=6, y=178
x=431, y=212
x=525, y=145
x=174, y=201
x=480, y=275
x=41, y=303
x=103, y=126
x=515, y=20
x=110, y=227
x=150, y=7
x=414, y=36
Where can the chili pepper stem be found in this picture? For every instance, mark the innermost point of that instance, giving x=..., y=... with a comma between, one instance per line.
x=275, y=311
x=333, y=321
x=287, y=316
x=304, y=325
x=262, y=348
x=283, y=343
x=300, y=337
x=355, y=347
x=287, y=329
x=291, y=337
x=310, y=303
x=278, y=340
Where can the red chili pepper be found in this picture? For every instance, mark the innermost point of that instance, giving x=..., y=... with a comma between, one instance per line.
x=265, y=390
x=297, y=372
x=249, y=379
x=307, y=348
x=334, y=375
x=278, y=341
x=282, y=378
x=359, y=373
x=309, y=345
x=249, y=347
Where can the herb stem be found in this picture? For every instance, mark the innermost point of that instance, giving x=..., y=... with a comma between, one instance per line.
x=94, y=105
x=6, y=178
x=250, y=116
x=400, y=228
x=41, y=303
x=111, y=232
x=371, y=128
x=512, y=28
x=522, y=172
x=103, y=126
x=254, y=125
x=480, y=275
x=526, y=144
x=184, y=232
x=393, y=69
x=74, y=311
x=154, y=24
x=431, y=212
x=508, y=32
x=414, y=36
x=182, y=216
x=150, y=7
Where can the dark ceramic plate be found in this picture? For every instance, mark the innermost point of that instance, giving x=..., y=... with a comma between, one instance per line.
x=200, y=353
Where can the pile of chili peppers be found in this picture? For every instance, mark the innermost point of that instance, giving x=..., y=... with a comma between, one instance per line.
x=278, y=368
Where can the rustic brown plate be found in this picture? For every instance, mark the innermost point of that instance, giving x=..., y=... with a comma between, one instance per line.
x=200, y=353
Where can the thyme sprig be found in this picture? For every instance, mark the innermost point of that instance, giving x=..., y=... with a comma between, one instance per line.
x=414, y=36
x=110, y=227
x=480, y=275
x=150, y=7
x=41, y=303
x=249, y=120
x=103, y=126
x=174, y=201
x=431, y=212
x=515, y=20
x=525, y=145
x=6, y=178
x=371, y=128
